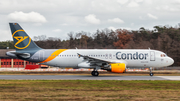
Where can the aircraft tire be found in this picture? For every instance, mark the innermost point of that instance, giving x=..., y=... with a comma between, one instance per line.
x=151, y=74
x=94, y=73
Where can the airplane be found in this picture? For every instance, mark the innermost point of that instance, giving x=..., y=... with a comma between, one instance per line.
x=112, y=60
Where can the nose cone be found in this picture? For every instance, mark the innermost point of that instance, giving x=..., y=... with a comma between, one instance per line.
x=171, y=61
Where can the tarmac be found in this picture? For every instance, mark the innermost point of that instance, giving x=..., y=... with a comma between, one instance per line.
x=84, y=77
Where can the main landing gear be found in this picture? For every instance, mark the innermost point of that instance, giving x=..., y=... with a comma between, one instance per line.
x=151, y=74
x=94, y=73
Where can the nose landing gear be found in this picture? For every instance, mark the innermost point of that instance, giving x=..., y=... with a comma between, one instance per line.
x=151, y=74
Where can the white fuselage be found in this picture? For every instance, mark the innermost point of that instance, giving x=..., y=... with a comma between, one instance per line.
x=131, y=57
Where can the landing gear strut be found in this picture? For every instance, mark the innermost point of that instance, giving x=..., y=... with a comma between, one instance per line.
x=151, y=74
x=94, y=73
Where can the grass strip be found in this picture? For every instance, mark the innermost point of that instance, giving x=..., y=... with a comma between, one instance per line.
x=88, y=90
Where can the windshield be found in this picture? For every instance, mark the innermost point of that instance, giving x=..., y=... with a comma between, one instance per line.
x=163, y=55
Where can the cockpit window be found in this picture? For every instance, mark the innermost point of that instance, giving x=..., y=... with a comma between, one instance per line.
x=163, y=55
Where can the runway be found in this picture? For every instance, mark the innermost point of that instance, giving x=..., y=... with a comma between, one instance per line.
x=84, y=77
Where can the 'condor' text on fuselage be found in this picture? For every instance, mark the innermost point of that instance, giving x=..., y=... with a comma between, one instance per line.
x=131, y=56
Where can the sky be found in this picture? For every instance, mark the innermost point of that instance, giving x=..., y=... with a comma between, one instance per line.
x=57, y=18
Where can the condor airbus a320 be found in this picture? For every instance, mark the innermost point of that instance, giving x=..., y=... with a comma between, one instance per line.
x=112, y=60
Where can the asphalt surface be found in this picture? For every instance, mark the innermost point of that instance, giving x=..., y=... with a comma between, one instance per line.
x=84, y=77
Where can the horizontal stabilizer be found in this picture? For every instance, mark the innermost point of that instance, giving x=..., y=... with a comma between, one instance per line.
x=22, y=55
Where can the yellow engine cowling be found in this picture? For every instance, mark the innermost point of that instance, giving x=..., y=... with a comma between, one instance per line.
x=118, y=67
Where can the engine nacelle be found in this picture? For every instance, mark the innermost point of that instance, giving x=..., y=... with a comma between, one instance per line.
x=117, y=68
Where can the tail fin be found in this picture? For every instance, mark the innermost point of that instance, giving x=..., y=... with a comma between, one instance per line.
x=22, y=42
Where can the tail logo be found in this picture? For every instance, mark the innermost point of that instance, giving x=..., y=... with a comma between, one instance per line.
x=20, y=39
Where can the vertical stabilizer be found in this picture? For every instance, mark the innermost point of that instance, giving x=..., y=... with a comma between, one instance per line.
x=22, y=42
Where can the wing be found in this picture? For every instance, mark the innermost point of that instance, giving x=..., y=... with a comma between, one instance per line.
x=92, y=59
x=116, y=66
x=97, y=61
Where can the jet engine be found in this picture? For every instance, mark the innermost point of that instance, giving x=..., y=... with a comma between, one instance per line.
x=116, y=68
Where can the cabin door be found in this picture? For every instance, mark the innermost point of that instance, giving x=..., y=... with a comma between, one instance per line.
x=152, y=56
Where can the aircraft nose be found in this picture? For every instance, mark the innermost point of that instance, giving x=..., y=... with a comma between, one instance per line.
x=171, y=61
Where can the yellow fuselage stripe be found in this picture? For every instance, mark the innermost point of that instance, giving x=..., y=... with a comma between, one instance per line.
x=53, y=55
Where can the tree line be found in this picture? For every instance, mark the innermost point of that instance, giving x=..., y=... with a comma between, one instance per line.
x=163, y=38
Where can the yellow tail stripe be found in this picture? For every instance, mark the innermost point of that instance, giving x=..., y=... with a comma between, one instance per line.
x=54, y=55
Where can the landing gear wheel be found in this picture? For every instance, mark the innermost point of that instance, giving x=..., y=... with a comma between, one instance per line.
x=151, y=74
x=94, y=73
